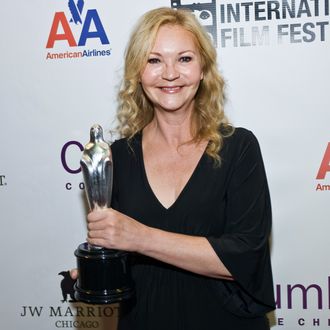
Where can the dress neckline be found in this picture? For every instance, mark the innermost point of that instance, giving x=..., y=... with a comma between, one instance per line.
x=184, y=190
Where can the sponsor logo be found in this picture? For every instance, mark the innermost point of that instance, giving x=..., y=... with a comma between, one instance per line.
x=70, y=159
x=205, y=12
x=301, y=297
x=67, y=286
x=323, y=170
x=261, y=23
x=70, y=313
x=74, y=29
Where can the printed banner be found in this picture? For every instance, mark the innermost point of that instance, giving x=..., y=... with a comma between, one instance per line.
x=61, y=70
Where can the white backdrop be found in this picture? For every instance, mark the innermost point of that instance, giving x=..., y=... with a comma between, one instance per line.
x=274, y=56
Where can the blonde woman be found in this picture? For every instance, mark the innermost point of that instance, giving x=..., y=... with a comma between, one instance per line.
x=190, y=196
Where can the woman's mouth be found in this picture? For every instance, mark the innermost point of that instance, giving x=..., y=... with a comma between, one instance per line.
x=170, y=89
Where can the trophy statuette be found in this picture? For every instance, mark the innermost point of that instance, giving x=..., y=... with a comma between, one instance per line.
x=104, y=274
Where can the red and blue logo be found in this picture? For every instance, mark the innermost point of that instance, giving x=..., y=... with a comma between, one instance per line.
x=77, y=28
x=324, y=169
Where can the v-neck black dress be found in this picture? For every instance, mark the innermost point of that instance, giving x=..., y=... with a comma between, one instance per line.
x=230, y=206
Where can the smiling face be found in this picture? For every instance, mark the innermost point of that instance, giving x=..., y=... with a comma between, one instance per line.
x=173, y=73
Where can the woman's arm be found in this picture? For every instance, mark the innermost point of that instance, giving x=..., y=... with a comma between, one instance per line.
x=114, y=230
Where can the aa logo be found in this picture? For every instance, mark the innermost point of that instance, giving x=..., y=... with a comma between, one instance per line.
x=325, y=164
x=77, y=15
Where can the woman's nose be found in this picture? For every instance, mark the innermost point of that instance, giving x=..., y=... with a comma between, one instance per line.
x=170, y=72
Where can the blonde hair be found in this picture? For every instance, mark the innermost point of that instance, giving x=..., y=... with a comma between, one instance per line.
x=136, y=111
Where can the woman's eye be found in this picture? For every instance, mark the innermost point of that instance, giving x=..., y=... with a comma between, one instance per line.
x=185, y=59
x=153, y=60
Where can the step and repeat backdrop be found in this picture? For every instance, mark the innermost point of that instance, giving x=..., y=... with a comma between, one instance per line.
x=60, y=71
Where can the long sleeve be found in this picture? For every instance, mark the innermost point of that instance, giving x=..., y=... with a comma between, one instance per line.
x=243, y=247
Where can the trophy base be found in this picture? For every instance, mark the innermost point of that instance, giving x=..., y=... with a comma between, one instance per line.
x=104, y=275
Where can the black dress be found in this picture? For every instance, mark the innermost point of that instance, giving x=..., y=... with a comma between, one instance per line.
x=230, y=206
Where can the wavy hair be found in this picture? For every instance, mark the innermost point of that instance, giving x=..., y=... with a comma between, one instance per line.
x=136, y=111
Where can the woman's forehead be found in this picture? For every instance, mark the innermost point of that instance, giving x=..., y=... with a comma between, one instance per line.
x=174, y=37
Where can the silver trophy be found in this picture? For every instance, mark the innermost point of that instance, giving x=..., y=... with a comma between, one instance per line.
x=97, y=168
x=104, y=275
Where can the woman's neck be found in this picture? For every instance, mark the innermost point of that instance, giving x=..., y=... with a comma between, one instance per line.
x=172, y=128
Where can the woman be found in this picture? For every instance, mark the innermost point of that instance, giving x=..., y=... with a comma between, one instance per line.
x=190, y=195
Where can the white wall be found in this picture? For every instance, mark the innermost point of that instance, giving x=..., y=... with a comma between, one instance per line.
x=279, y=90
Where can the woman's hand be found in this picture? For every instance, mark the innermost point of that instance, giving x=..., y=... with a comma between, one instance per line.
x=74, y=273
x=114, y=230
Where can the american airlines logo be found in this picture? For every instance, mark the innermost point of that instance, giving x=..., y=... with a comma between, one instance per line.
x=323, y=170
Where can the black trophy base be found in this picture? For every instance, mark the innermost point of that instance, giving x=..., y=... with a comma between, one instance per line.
x=104, y=275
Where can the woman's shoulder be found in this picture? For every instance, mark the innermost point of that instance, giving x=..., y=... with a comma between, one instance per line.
x=241, y=136
x=239, y=142
x=125, y=145
x=119, y=143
